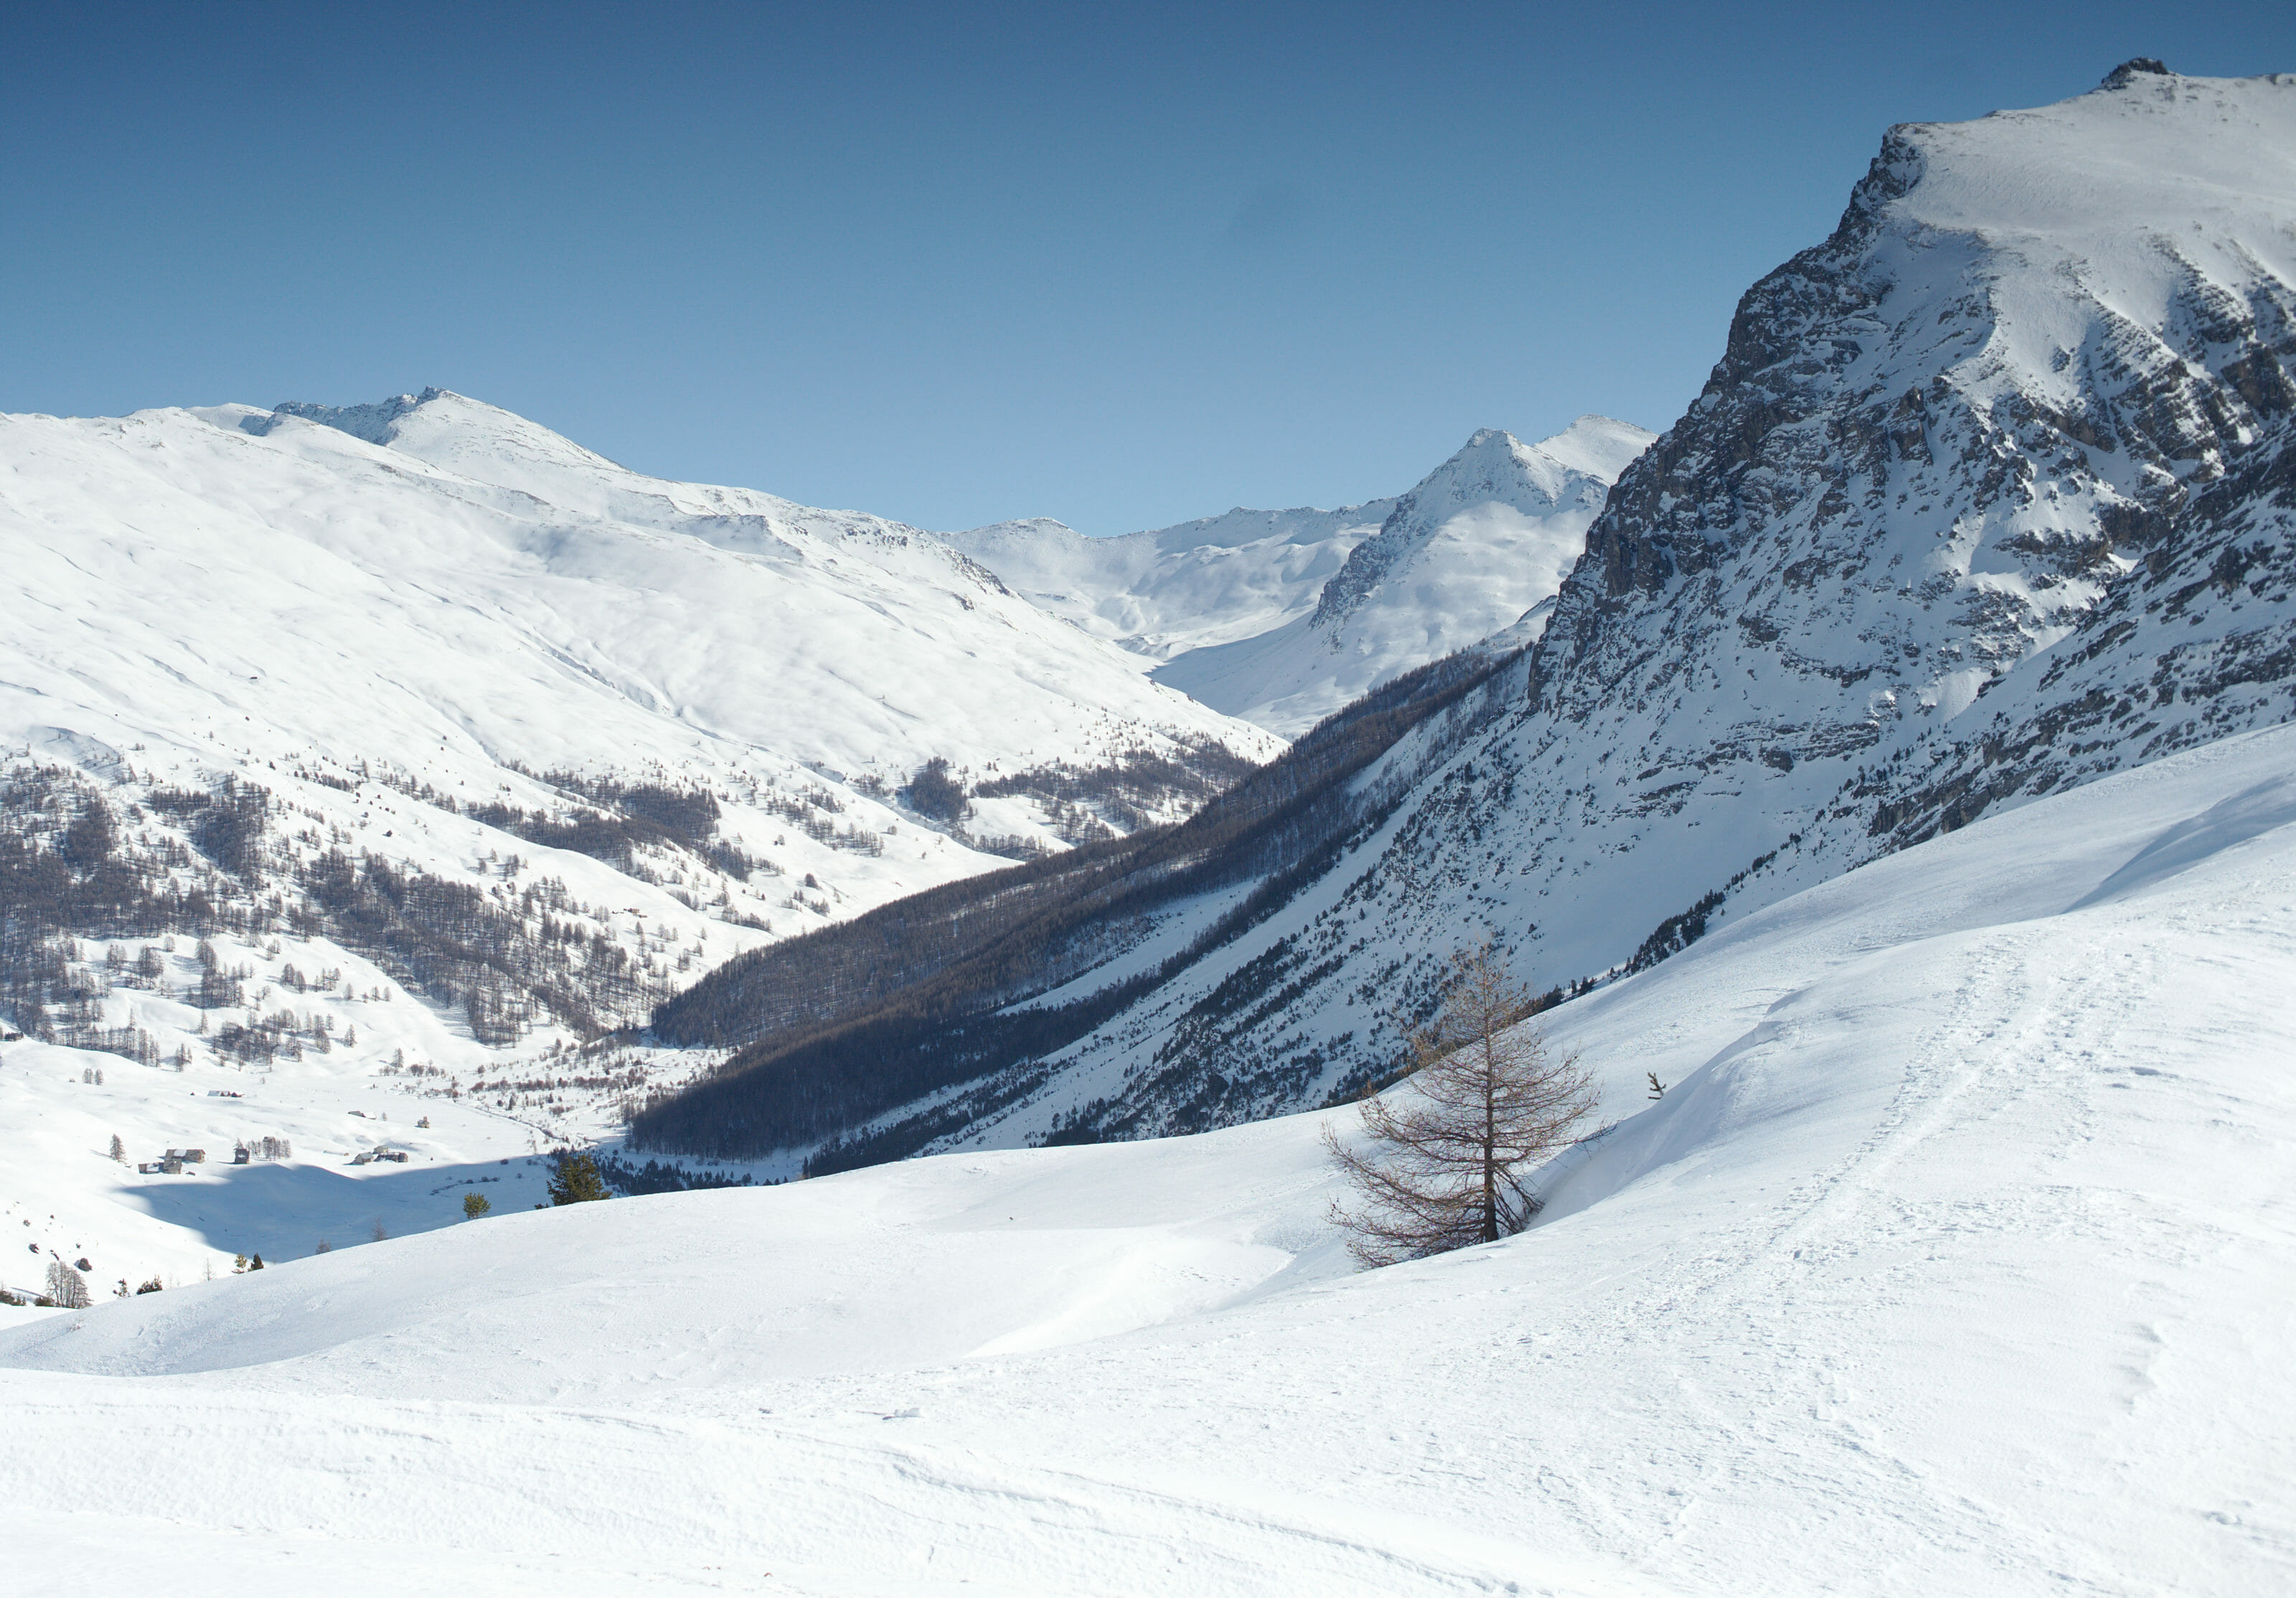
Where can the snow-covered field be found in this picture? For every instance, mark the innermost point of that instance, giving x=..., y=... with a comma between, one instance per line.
x=397, y=1076
x=1955, y=1259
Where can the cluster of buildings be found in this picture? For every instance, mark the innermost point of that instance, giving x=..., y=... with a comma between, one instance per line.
x=172, y=1163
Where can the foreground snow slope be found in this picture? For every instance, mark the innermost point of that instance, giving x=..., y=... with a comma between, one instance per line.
x=1955, y=1259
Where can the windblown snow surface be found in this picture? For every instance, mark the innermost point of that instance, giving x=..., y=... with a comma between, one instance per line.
x=1955, y=1259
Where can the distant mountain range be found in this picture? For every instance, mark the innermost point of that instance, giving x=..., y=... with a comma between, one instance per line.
x=1283, y=617
x=1987, y=495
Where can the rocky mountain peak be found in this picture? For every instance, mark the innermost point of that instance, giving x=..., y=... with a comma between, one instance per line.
x=1989, y=494
x=1574, y=468
x=2133, y=68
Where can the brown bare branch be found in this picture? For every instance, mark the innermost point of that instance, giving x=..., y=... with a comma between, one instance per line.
x=1449, y=1152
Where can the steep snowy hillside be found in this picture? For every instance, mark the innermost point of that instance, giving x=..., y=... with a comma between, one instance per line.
x=1988, y=495
x=1162, y=593
x=1473, y=549
x=1955, y=1259
x=543, y=739
x=1282, y=616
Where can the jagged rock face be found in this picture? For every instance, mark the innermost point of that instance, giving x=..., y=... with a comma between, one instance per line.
x=1990, y=492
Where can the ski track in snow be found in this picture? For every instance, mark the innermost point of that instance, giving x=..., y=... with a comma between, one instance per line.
x=1955, y=1259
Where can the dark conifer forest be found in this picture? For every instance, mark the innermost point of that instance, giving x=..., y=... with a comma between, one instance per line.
x=833, y=1029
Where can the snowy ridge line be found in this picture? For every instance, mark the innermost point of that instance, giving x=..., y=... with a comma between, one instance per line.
x=538, y=737
x=1284, y=617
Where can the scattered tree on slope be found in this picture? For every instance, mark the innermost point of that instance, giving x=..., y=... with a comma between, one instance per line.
x=575, y=1180
x=1448, y=1151
x=67, y=1288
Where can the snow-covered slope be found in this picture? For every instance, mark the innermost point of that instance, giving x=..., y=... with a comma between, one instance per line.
x=1477, y=547
x=260, y=653
x=1955, y=1259
x=480, y=581
x=1987, y=496
x=1162, y=594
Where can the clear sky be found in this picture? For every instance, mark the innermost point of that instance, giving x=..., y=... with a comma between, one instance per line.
x=1122, y=266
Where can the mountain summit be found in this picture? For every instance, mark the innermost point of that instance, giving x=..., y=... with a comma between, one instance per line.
x=1481, y=542
x=1282, y=616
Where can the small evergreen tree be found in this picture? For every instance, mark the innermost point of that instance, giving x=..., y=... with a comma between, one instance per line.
x=119, y=1149
x=574, y=1179
x=474, y=1205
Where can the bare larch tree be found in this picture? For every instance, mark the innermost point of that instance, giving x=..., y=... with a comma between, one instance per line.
x=66, y=1286
x=1447, y=1152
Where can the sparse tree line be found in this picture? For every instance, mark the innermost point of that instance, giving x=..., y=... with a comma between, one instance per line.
x=77, y=861
x=1141, y=788
x=68, y=868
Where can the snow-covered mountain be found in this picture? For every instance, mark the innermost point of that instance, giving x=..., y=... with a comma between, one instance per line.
x=268, y=658
x=1475, y=549
x=1955, y=1259
x=1986, y=496
x=1282, y=616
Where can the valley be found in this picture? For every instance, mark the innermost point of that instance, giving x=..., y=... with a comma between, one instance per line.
x=963, y=954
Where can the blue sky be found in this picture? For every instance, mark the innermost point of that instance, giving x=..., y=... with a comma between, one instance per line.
x=953, y=264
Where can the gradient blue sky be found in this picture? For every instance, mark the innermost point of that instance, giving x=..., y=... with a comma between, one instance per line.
x=1122, y=267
